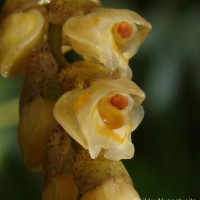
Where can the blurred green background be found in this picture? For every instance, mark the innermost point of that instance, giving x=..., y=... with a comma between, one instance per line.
x=167, y=68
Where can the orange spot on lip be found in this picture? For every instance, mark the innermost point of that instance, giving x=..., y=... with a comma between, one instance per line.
x=112, y=121
x=118, y=101
x=125, y=29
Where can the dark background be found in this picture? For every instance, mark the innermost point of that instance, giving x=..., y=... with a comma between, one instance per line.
x=167, y=67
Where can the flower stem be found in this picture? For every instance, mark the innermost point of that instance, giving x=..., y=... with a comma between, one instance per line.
x=55, y=42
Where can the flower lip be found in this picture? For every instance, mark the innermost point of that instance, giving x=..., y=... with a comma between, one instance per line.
x=111, y=116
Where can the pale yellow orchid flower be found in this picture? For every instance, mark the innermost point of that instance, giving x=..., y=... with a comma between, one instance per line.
x=102, y=116
x=109, y=36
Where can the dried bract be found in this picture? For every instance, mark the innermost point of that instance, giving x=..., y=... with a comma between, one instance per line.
x=62, y=10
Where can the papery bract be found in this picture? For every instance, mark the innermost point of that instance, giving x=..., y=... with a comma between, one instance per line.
x=110, y=36
x=93, y=120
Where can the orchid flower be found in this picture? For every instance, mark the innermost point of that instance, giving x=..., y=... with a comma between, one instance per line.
x=109, y=36
x=102, y=116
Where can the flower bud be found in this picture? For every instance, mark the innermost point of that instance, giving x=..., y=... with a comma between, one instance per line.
x=112, y=190
x=36, y=122
x=20, y=33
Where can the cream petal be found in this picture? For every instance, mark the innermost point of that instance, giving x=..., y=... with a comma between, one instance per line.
x=94, y=150
x=97, y=42
x=65, y=114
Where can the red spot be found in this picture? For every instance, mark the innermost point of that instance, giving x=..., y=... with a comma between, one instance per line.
x=125, y=29
x=118, y=101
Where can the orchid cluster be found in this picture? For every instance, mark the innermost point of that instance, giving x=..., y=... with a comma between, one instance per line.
x=76, y=119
